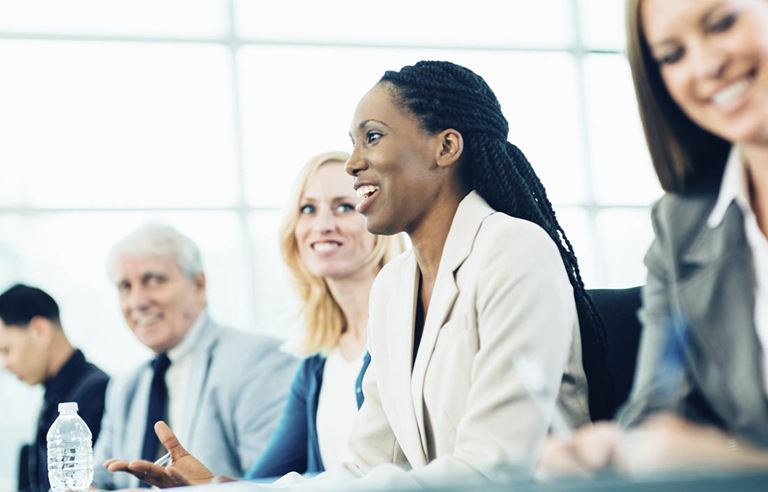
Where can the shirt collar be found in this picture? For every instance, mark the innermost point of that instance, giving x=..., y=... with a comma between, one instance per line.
x=56, y=386
x=188, y=342
x=733, y=188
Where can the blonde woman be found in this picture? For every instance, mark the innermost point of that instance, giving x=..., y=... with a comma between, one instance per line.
x=333, y=260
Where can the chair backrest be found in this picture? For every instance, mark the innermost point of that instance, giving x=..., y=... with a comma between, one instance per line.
x=618, y=310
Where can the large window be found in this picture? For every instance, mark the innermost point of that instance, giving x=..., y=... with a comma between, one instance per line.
x=198, y=113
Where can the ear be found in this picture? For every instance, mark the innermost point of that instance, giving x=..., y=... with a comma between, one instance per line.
x=41, y=329
x=200, y=282
x=450, y=147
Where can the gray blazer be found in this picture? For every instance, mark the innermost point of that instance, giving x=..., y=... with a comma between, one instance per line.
x=704, y=278
x=236, y=394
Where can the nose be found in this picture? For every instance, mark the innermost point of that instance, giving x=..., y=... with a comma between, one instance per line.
x=709, y=62
x=355, y=164
x=136, y=298
x=324, y=220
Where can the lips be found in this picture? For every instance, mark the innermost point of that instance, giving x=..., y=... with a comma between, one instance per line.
x=368, y=194
x=730, y=97
x=325, y=246
x=145, y=320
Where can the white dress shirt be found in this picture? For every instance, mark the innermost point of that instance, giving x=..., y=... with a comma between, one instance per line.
x=177, y=377
x=336, y=408
x=735, y=188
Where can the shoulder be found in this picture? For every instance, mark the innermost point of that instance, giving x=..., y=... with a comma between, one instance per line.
x=679, y=216
x=504, y=238
x=242, y=353
x=391, y=272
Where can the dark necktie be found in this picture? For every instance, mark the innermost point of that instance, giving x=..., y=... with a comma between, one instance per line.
x=158, y=404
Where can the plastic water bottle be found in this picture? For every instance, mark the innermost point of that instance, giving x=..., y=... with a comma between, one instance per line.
x=70, y=451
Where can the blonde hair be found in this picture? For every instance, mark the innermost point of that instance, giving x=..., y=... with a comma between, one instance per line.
x=323, y=318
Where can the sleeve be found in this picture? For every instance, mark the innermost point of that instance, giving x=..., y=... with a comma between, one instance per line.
x=261, y=397
x=287, y=448
x=91, y=401
x=662, y=382
x=103, y=449
x=372, y=441
x=524, y=304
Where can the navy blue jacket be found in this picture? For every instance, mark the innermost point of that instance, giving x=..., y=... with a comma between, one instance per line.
x=80, y=381
x=294, y=445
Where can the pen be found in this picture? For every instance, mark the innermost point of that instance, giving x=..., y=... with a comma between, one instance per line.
x=164, y=460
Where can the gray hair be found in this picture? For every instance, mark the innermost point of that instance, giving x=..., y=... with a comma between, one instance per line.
x=157, y=240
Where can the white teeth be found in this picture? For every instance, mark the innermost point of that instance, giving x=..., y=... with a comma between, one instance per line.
x=147, y=319
x=323, y=247
x=366, y=191
x=729, y=94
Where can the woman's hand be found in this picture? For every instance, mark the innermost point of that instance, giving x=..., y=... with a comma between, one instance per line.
x=591, y=449
x=184, y=470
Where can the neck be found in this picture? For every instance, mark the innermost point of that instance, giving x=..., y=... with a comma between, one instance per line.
x=755, y=159
x=429, y=237
x=351, y=293
x=60, y=352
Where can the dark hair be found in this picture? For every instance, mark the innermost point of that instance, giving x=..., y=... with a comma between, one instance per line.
x=685, y=156
x=21, y=303
x=443, y=95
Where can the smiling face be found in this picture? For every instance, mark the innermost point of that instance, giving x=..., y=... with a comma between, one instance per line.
x=394, y=164
x=158, y=300
x=713, y=59
x=24, y=353
x=331, y=237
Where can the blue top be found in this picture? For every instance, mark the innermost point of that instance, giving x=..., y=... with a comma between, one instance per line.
x=294, y=445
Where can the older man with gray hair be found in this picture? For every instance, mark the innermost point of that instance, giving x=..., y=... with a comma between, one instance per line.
x=220, y=389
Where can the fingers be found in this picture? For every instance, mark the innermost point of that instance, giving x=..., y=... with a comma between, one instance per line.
x=115, y=465
x=169, y=440
x=596, y=445
x=150, y=473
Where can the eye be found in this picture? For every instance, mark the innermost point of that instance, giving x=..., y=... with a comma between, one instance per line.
x=722, y=24
x=306, y=209
x=372, y=136
x=123, y=286
x=671, y=57
x=345, y=207
x=154, y=279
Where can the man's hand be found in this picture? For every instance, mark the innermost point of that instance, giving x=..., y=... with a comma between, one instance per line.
x=184, y=470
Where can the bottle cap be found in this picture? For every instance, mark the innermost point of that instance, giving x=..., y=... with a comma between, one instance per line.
x=70, y=406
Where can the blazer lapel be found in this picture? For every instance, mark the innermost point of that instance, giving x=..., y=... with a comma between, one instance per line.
x=458, y=245
x=401, y=310
x=717, y=293
x=202, y=357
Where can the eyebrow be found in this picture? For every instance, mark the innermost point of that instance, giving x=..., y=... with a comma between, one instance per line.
x=705, y=19
x=363, y=123
x=339, y=198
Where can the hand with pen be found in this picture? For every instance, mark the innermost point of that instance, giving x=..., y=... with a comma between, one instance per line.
x=184, y=469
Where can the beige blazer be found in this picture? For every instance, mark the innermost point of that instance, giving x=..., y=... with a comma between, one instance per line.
x=501, y=289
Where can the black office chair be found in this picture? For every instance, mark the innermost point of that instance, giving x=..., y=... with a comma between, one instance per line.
x=618, y=310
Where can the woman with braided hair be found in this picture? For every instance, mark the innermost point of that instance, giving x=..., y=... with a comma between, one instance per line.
x=491, y=281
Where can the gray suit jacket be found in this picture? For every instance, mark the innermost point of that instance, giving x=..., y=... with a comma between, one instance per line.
x=236, y=393
x=703, y=278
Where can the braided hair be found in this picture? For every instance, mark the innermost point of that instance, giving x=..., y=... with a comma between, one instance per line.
x=443, y=95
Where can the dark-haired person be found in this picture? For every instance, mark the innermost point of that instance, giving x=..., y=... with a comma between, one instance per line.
x=34, y=347
x=491, y=278
x=700, y=69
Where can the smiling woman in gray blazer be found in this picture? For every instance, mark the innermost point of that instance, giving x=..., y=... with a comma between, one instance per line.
x=701, y=76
